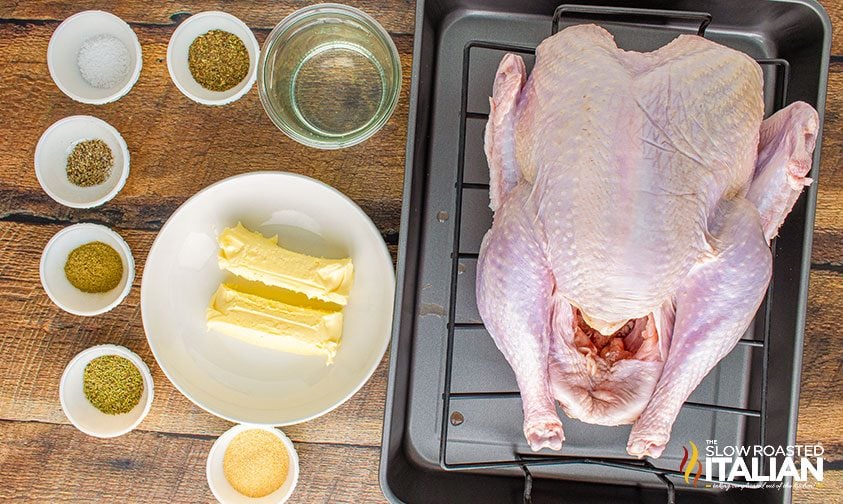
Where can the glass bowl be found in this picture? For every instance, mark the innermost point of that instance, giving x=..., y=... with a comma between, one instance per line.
x=329, y=76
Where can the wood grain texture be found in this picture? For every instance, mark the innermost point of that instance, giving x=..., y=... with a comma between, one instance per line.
x=177, y=146
x=37, y=340
x=397, y=16
x=829, y=491
x=56, y=463
x=828, y=228
x=834, y=8
x=820, y=402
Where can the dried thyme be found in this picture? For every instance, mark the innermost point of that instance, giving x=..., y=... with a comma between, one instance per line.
x=218, y=60
x=112, y=384
x=89, y=163
x=94, y=267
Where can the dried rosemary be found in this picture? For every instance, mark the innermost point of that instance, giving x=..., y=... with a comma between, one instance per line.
x=94, y=267
x=112, y=384
x=89, y=163
x=218, y=60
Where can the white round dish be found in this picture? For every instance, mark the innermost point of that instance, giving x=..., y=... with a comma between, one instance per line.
x=58, y=141
x=82, y=414
x=179, y=46
x=230, y=378
x=64, y=47
x=61, y=291
x=223, y=490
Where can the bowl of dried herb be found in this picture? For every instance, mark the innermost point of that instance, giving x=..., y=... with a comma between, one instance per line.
x=87, y=269
x=81, y=161
x=106, y=391
x=212, y=58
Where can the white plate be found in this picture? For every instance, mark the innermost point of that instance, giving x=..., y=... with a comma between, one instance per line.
x=232, y=379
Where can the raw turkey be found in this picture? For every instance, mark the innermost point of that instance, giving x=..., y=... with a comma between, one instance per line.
x=635, y=197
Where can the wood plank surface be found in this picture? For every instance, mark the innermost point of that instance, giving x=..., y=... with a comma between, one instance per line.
x=834, y=8
x=39, y=339
x=397, y=16
x=826, y=492
x=820, y=404
x=179, y=147
x=56, y=463
x=164, y=173
x=828, y=227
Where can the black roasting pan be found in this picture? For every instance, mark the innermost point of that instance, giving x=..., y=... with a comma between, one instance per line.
x=452, y=430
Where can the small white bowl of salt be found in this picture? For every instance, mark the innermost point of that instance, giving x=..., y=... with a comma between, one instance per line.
x=94, y=57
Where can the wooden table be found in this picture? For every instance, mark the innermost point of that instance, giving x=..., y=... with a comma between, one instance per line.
x=178, y=147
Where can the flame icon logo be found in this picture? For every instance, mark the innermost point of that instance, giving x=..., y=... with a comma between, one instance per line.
x=687, y=466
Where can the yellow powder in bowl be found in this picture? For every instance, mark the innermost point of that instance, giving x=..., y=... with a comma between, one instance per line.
x=256, y=463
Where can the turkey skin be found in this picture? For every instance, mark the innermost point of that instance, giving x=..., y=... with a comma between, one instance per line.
x=635, y=196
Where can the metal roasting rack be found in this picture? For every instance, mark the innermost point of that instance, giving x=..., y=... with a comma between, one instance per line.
x=526, y=460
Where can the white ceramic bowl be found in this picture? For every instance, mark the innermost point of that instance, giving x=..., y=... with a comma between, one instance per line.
x=223, y=490
x=177, y=52
x=58, y=141
x=230, y=378
x=60, y=290
x=82, y=414
x=64, y=47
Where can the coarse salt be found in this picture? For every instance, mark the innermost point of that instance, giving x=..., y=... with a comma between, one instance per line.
x=103, y=61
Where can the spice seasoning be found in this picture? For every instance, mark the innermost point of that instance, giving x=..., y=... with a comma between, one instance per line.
x=94, y=267
x=89, y=163
x=218, y=60
x=256, y=463
x=103, y=61
x=112, y=384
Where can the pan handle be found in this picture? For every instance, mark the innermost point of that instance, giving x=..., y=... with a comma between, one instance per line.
x=568, y=10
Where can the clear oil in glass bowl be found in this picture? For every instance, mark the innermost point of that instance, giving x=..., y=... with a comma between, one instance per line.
x=337, y=89
x=330, y=76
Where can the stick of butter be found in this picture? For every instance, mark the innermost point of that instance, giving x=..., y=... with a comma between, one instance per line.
x=254, y=257
x=272, y=324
